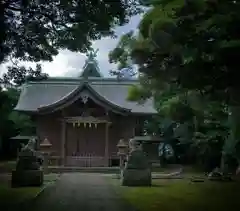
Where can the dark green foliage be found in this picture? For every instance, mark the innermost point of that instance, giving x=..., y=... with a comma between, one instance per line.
x=193, y=43
x=6, y=105
x=12, y=123
x=35, y=30
x=19, y=75
x=192, y=48
x=121, y=54
x=204, y=44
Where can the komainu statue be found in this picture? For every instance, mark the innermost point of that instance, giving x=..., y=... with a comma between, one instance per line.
x=28, y=168
x=137, y=171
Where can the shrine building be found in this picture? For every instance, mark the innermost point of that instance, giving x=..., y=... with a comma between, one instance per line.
x=84, y=118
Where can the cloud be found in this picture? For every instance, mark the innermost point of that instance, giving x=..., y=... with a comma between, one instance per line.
x=70, y=64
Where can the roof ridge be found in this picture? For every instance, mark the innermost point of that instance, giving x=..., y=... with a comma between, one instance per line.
x=76, y=81
x=90, y=78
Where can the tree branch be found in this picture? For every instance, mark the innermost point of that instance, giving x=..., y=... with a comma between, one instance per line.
x=14, y=9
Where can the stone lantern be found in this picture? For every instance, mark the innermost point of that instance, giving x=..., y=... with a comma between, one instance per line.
x=45, y=148
x=122, y=151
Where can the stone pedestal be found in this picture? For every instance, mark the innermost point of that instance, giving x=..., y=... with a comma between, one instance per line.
x=136, y=177
x=27, y=178
x=137, y=171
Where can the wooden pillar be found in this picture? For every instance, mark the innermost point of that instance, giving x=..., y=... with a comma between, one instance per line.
x=137, y=131
x=135, y=125
x=63, y=137
x=106, y=154
x=142, y=121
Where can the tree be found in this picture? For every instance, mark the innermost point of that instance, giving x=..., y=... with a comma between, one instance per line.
x=20, y=74
x=179, y=41
x=34, y=30
x=6, y=126
x=12, y=123
x=199, y=52
x=193, y=45
x=121, y=55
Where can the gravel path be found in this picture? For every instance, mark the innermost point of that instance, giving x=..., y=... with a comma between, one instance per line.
x=81, y=192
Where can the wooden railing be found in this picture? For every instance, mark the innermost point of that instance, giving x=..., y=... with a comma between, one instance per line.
x=86, y=160
x=82, y=160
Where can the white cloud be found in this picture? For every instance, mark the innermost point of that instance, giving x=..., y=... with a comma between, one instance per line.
x=68, y=63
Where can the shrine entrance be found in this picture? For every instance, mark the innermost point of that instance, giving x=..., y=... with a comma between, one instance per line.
x=86, y=142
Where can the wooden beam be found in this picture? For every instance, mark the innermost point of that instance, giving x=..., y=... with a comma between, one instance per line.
x=88, y=119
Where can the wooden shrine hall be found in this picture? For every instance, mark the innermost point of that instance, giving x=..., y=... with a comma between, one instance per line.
x=83, y=118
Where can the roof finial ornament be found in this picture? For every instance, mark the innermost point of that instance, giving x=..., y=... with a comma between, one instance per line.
x=90, y=68
x=92, y=54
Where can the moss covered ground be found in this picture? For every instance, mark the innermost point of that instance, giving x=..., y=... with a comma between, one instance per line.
x=183, y=195
x=12, y=198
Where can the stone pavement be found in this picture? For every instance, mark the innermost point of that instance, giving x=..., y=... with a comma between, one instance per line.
x=81, y=192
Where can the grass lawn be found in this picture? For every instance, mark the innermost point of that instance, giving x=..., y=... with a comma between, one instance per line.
x=183, y=195
x=13, y=197
x=8, y=165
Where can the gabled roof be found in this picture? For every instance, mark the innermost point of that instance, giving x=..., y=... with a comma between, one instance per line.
x=74, y=96
x=54, y=93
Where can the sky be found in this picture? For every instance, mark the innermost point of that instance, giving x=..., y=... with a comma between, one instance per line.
x=70, y=64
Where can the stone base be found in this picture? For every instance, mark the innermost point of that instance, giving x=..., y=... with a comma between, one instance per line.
x=136, y=177
x=27, y=178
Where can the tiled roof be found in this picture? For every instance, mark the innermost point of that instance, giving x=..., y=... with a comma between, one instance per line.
x=35, y=95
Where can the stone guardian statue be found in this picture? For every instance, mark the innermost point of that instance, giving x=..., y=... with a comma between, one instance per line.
x=137, y=171
x=28, y=168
